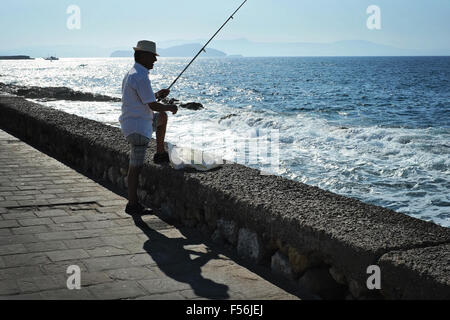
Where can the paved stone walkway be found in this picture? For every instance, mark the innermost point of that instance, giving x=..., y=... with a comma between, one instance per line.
x=52, y=217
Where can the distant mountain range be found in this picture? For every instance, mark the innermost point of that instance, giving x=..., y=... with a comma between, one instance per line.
x=186, y=50
x=222, y=48
x=339, y=48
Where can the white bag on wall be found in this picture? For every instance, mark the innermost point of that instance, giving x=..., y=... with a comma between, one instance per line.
x=184, y=157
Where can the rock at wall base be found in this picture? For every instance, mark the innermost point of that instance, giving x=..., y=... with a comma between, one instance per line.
x=319, y=281
x=167, y=210
x=338, y=276
x=229, y=230
x=218, y=238
x=210, y=216
x=299, y=262
x=249, y=245
x=280, y=265
x=356, y=289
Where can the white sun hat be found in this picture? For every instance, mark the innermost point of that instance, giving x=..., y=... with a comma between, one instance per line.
x=145, y=45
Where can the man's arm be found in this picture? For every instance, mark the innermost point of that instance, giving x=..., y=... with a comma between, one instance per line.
x=162, y=94
x=159, y=107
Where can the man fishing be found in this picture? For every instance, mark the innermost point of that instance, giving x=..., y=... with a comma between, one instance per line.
x=138, y=120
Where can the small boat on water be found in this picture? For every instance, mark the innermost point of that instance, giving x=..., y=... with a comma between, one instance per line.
x=51, y=58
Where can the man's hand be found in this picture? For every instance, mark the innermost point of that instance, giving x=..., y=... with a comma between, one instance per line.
x=174, y=109
x=162, y=94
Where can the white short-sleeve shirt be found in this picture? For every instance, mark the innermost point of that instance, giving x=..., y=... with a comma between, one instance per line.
x=137, y=93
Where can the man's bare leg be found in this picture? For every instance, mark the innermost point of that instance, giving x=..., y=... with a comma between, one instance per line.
x=133, y=179
x=161, y=132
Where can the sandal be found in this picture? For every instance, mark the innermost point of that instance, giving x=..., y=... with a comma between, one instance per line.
x=137, y=209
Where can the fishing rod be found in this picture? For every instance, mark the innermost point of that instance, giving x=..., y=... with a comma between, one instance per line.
x=203, y=49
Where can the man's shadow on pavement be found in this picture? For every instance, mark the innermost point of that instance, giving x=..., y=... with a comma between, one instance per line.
x=175, y=261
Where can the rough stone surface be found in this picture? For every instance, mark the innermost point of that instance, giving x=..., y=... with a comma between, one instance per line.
x=425, y=273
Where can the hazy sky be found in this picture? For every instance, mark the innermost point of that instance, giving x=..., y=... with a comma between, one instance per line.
x=412, y=24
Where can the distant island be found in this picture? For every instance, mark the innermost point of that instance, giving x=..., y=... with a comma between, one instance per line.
x=186, y=50
x=16, y=58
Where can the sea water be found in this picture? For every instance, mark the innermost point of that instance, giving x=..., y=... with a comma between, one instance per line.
x=372, y=128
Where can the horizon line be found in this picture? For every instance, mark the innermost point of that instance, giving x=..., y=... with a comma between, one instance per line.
x=236, y=56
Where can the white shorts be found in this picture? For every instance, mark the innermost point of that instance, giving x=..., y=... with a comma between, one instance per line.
x=139, y=145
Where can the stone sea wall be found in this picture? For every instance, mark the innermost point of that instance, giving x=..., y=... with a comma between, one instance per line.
x=322, y=241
